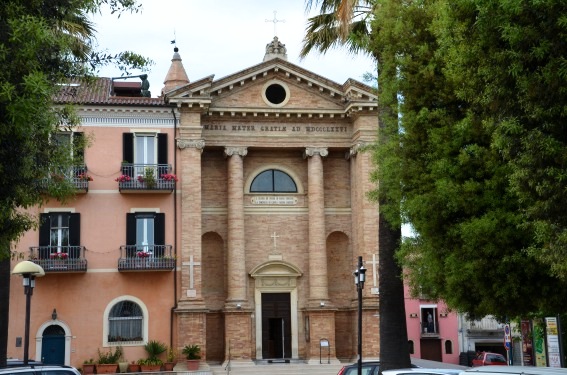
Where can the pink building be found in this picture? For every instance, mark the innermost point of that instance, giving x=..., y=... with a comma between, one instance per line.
x=433, y=331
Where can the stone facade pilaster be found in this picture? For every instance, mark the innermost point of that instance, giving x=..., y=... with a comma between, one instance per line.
x=191, y=222
x=237, y=280
x=318, y=285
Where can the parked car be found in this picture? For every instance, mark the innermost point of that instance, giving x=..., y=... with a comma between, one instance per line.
x=39, y=370
x=368, y=368
x=424, y=371
x=487, y=359
x=13, y=362
x=515, y=370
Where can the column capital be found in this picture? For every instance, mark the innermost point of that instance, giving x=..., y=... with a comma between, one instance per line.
x=358, y=146
x=230, y=151
x=311, y=151
x=191, y=143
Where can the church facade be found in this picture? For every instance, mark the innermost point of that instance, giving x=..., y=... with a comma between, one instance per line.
x=227, y=213
x=275, y=212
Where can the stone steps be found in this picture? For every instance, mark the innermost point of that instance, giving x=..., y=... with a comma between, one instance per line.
x=278, y=369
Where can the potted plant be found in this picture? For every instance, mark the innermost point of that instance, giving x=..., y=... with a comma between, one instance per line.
x=88, y=366
x=193, y=354
x=149, y=178
x=169, y=360
x=108, y=361
x=154, y=348
x=134, y=367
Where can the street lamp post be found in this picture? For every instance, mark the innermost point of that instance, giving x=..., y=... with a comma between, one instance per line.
x=359, y=278
x=29, y=271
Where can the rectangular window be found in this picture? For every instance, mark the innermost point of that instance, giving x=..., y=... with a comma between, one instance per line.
x=145, y=234
x=429, y=322
x=59, y=230
x=140, y=150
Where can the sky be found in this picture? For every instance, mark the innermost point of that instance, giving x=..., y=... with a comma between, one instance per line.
x=218, y=37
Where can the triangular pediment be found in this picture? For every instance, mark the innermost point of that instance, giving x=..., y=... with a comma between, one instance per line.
x=248, y=92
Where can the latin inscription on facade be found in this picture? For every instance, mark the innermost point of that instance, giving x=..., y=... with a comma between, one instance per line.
x=275, y=129
x=274, y=200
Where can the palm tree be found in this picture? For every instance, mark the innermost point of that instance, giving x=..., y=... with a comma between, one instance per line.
x=339, y=23
x=346, y=23
x=79, y=30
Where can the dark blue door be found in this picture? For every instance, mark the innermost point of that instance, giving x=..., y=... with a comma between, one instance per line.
x=53, y=346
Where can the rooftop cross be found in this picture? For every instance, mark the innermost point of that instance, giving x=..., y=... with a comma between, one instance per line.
x=275, y=21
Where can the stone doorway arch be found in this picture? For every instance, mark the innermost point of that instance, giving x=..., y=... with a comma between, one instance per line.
x=276, y=276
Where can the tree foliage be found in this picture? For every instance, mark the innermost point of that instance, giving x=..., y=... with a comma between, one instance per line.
x=42, y=45
x=474, y=148
x=340, y=23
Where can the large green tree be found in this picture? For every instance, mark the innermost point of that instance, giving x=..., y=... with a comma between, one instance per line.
x=42, y=44
x=347, y=23
x=474, y=97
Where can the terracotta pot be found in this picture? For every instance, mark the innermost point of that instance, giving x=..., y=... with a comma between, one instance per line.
x=150, y=368
x=133, y=367
x=88, y=368
x=107, y=368
x=168, y=366
x=193, y=364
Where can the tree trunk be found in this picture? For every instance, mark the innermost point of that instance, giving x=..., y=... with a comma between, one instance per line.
x=4, y=307
x=394, y=348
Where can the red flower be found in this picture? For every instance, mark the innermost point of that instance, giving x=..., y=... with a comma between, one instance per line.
x=84, y=176
x=123, y=178
x=59, y=256
x=169, y=177
x=142, y=254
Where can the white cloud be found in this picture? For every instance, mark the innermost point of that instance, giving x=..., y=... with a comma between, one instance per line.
x=218, y=37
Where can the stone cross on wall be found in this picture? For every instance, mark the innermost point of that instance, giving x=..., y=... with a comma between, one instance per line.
x=374, y=263
x=191, y=265
x=275, y=237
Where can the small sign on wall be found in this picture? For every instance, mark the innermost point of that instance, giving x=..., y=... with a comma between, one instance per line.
x=375, y=291
x=191, y=293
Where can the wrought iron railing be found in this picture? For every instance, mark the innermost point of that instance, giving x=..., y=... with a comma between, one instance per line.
x=146, y=177
x=59, y=258
x=146, y=258
x=77, y=175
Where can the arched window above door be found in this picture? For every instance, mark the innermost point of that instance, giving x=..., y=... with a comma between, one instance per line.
x=273, y=181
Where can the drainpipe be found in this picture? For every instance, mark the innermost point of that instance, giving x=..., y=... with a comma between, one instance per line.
x=171, y=314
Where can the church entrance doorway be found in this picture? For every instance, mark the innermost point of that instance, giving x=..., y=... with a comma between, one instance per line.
x=276, y=325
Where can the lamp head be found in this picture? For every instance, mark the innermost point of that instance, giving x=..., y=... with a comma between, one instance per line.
x=28, y=268
x=362, y=276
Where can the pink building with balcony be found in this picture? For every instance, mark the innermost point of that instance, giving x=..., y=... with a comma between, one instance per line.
x=433, y=331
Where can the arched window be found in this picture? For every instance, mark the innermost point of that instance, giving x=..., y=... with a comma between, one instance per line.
x=448, y=347
x=125, y=323
x=273, y=181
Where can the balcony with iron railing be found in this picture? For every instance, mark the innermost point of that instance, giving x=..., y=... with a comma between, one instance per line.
x=59, y=259
x=136, y=258
x=77, y=175
x=146, y=178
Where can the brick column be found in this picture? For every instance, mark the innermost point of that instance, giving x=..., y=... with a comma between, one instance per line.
x=318, y=286
x=190, y=164
x=237, y=281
